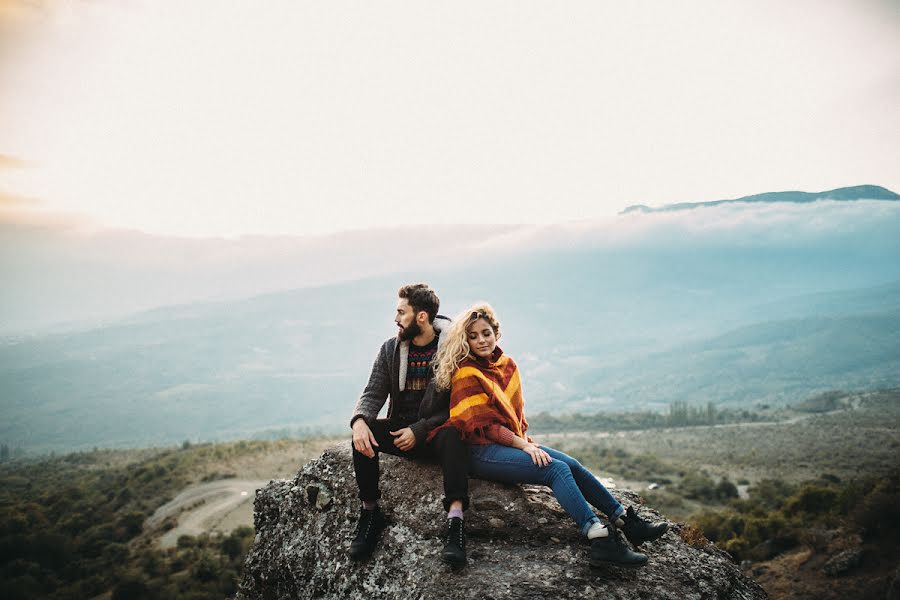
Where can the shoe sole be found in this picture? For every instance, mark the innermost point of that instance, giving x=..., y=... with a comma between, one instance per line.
x=609, y=563
x=364, y=556
x=453, y=561
x=360, y=557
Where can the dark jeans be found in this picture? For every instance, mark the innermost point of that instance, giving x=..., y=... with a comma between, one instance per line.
x=446, y=447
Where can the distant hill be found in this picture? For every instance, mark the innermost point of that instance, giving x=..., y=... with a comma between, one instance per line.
x=849, y=194
x=857, y=301
x=770, y=362
x=727, y=305
x=295, y=363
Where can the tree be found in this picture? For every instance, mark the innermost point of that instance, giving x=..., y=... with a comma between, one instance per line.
x=710, y=413
x=725, y=489
x=131, y=589
x=232, y=546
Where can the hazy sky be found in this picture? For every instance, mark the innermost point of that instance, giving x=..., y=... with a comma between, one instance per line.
x=211, y=117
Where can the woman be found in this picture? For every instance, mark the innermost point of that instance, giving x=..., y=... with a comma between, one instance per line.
x=486, y=407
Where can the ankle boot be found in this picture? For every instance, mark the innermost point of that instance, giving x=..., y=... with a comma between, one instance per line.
x=455, y=548
x=638, y=531
x=368, y=530
x=612, y=550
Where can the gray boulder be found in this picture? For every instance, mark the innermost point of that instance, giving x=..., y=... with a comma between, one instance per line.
x=842, y=562
x=521, y=544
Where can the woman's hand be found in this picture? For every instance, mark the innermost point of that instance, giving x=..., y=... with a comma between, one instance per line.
x=537, y=454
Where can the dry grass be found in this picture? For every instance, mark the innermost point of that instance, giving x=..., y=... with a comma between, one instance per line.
x=693, y=537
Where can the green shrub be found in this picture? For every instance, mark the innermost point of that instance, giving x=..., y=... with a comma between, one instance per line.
x=773, y=525
x=115, y=553
x=206, y=568
x=24, y=587
x=131, y=589
x=96, y=539
x=719, y=526
x=132, y=523
x=879, y=510
x=698, y=486
x=232, y=546
x=771, y=493
x=50, y=550
x=737, y=547
x=753, y=529
x=228, y=583
x=813, y=500
x=726, y=490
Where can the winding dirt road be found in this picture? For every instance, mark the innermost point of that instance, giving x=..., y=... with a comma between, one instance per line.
x=205, y=508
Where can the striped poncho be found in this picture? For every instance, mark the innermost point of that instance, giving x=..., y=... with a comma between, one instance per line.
x=485, y=393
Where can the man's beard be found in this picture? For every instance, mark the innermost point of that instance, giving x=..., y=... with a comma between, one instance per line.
x=409, y=332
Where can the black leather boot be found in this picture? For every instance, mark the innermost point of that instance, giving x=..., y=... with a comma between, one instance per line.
x=455, y=548
x=638, y=530
x=368, y=530
x=613, y=550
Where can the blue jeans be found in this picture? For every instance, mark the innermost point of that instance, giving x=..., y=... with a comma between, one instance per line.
x=572, y=484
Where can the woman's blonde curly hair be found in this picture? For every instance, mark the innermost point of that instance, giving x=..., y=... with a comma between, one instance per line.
x=455, y=346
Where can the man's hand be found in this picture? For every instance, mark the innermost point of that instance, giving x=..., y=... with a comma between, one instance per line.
x=363, y=440
x=404, y=439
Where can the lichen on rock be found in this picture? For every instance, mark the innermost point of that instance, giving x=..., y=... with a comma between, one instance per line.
x=521, y=544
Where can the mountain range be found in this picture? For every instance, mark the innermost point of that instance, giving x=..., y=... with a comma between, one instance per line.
x=736, y=304
x=859, y=192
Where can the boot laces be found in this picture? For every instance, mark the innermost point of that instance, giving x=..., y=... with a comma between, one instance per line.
x=458, y=527
x=366, y=520
x=614, y=534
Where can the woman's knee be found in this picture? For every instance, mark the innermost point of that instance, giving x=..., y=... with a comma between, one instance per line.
x=557, y=469
x=573, y=463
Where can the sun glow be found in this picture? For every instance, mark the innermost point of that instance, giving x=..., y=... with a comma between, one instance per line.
x=295, y=118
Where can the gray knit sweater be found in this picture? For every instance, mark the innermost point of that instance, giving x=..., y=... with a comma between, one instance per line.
x=388, y=379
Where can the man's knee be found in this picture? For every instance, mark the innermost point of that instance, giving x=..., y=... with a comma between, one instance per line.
x=359, y=456
x=448, y=437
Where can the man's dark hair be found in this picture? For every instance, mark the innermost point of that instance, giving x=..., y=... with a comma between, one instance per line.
x=421, y=297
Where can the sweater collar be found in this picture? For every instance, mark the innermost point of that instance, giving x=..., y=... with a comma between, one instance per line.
x=490, y=361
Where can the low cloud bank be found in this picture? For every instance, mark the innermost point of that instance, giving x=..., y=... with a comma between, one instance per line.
x=61, y=273
x=784, y=225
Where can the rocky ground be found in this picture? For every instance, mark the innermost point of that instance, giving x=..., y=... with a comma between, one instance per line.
x=521, y=545
x=840, y=566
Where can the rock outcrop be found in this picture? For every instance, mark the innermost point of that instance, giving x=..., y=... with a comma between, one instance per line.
x=521, y=545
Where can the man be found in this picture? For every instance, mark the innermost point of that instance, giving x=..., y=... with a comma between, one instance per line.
x=402, y=371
